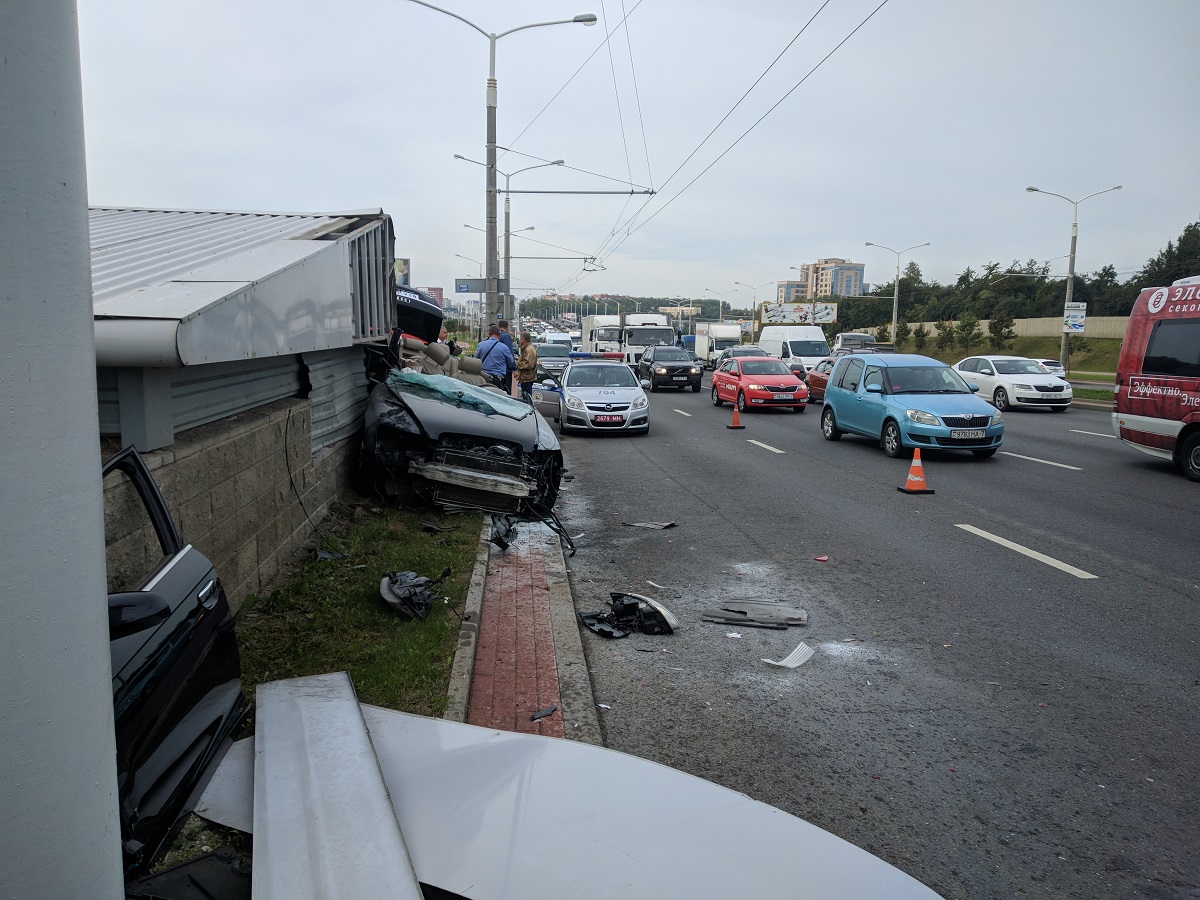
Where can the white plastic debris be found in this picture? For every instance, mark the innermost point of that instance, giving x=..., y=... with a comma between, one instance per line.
x=797, y=657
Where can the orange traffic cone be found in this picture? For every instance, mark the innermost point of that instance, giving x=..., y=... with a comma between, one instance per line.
x=737, y=420
x=915, y=484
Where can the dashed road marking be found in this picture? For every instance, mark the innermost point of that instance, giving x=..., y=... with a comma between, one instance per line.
x=1043, y=461
x=766, y=446
x=682, y=413
x=1093, y=433
x=1032, y=554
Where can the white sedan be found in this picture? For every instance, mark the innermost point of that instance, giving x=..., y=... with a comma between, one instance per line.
x=595, y=395
x=1013, y=381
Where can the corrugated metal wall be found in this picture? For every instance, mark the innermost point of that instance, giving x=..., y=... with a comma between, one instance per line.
x=110, y=409
x=203, y=394
x=371, y=255
x=339, y=394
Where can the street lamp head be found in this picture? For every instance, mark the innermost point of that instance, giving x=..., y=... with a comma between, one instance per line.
x=1031, y=190
x=585, y=18
x=559, y=162
x=869, y=244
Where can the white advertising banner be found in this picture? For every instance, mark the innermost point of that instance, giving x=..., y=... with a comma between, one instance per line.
x=819, y=313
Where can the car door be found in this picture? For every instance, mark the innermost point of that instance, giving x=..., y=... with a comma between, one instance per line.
x=872, y=404
x=646, y=364
x=547, y=398
x=981, y=372
x=849, y=397
x=722, y=377
x=176, y=671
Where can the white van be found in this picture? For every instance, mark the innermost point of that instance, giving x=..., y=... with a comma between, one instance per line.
x=795, y=344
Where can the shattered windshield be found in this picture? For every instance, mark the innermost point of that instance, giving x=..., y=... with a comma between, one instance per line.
x=457, y=393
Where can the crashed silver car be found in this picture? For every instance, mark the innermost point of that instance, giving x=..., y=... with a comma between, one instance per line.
x=452, y=443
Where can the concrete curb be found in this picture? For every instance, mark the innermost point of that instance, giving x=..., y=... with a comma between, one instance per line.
x=580, y=720
x=458, y=694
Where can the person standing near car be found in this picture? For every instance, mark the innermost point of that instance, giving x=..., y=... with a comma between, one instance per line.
x=495, y=359
x=527, y=365
x=512, y=350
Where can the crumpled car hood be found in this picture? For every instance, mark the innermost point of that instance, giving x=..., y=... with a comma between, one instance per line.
x=443, y=404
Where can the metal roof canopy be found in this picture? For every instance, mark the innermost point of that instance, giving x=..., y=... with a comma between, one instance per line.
x=180, y=287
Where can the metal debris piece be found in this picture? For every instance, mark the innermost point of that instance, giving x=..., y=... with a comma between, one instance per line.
x=658, y=525
x=503, y=531
x=822, y=558
x=325, y=554
x=542, y=713
x=629, y=613
x=433, y=527
x=797, y=657
x=757, y=614
x=410, y=594
x=732, y=634
x=653, y=585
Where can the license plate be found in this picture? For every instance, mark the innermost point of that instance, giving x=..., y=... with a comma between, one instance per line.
x=968, y=433
x=610, y=418
x=679, y=378
x=783, y=396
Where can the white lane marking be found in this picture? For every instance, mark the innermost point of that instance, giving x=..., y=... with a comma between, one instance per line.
x=1093, y=433
x=682, y=413
x=766, y=446
x=1032, y=554
x=1043, y=461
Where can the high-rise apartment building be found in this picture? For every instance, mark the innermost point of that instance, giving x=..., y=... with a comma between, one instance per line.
x=824, y=278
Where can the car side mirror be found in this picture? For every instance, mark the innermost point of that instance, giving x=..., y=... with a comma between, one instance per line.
x=548, y=382
x=874, y=389
x=986, y=372
x=133, y=611
x=974, y=388
x=645, y=382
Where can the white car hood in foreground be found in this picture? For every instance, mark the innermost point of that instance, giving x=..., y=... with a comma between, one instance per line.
x=495, y=814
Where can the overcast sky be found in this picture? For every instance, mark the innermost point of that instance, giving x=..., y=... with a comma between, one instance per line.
x=927, y=124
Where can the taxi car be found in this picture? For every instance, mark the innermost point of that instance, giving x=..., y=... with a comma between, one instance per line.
x=758, y=382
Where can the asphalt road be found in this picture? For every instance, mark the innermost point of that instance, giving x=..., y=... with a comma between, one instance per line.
x=994, y=724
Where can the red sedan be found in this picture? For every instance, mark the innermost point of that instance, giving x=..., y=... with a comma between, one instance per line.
x=755, y=382
x=818, y=377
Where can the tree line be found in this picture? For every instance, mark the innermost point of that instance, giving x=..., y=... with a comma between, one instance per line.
x=1017, y=291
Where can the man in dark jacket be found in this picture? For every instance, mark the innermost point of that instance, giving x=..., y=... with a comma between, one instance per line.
x=512, y=348
x=496, y=359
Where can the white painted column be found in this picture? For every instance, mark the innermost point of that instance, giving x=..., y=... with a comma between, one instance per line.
x=58, y=797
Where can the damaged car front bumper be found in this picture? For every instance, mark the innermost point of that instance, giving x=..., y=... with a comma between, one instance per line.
x=457, y=444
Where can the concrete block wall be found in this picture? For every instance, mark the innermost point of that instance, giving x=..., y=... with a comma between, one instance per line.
x=234, y=488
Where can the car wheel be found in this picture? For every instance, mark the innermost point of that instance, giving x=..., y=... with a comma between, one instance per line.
x=563, y=431
x=1000, y=399
x=653, y=387
x=893, y=443
x=717, y=401
x=829, y=426
x=1189, y=457
x=696, y=387
x=646, y=431
x=799, y=409
x=985, y=454
x=741, y=402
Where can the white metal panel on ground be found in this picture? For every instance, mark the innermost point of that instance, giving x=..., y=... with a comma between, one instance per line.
x=490, y=814
x=323, y=822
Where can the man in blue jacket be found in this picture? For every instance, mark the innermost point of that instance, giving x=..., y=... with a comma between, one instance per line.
x=507, y=339
x=496, y=359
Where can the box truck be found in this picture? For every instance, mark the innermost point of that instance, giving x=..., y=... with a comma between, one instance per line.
x=714, y=337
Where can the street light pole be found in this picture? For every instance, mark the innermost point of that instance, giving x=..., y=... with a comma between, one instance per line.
x=754, y=301
x=491, y=256
x=896, y=287
x=1064, y=350
x=720, y=300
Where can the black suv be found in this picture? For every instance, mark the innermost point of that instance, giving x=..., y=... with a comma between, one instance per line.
x=669, y=367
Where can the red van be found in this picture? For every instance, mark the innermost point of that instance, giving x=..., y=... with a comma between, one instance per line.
x=1157, y=393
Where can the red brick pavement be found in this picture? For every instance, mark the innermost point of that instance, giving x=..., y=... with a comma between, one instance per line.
x=516, y=669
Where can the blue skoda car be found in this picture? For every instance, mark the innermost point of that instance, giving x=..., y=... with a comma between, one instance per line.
x=906, y=401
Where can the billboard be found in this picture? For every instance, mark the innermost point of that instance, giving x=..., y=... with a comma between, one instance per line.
x=1074, y=318
x=819, y=313
x=401, y=268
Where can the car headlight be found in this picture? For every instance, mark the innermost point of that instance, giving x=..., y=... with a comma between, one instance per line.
x=755, y=387
x=660, y=371
x=694, y=370
x=575, y=403
x=640, y=402
x=998, y=418
x=1023, y=387
x=921, y=417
